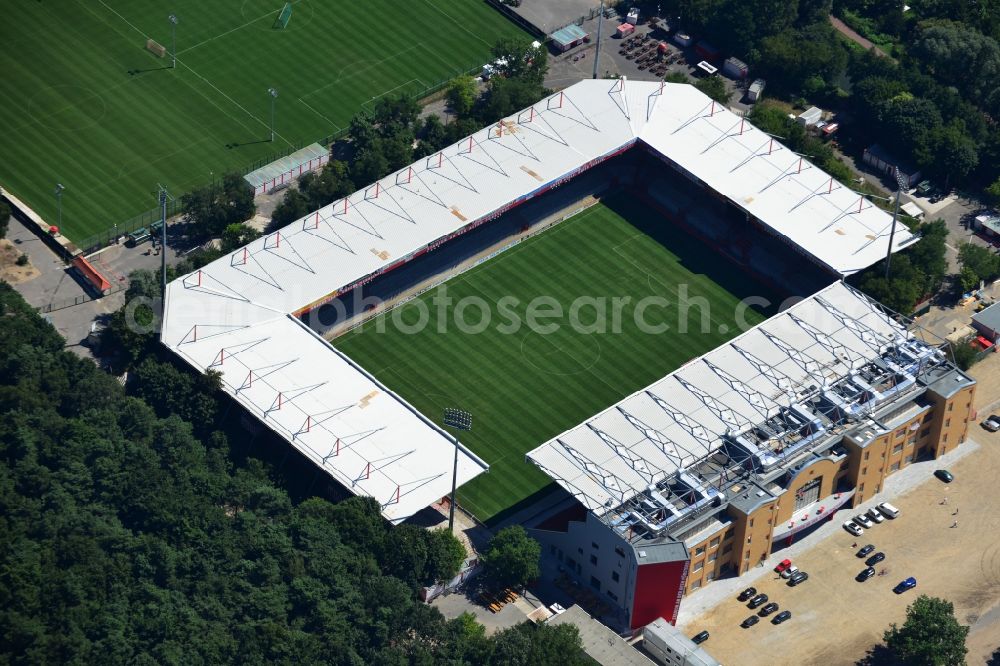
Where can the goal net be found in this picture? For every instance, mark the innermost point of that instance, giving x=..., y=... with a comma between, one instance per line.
x=155, y=48
x=286, y=13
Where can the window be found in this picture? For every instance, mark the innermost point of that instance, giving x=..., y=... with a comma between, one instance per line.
x=615, y=576
x=620, y=552
x=713, y=557
x=751, y=522
x=866, y=454
x=714, y=543
x=951, y=406
x=864, y=471
x=727, y=548
x=729, y=533
x=710, y=576
x=749, y=538
x=901, y=432
x=696, y=584
x=593, y=560
x=571, y=562
x=911, y=440
x=699, y=550
x=947, y=423
x=909, y=459
x=861, y=488
x=614, y=597
x=925, y=432
x=580, y=550
x=897, y=448
x=596, y=584
x=746, y=555
x=700, y=565
x=594, y=545
x=945, y=438
x=894, y=467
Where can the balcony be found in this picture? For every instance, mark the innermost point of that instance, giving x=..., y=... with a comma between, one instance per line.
x=811, y=514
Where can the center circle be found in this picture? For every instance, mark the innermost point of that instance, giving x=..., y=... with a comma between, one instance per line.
x=67, y=106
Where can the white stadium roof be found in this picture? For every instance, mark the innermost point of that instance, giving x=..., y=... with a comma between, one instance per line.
x=236, y=315
x=680, y=420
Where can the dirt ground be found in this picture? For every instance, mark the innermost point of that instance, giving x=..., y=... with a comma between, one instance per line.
x=835, y=619
x=9, y=270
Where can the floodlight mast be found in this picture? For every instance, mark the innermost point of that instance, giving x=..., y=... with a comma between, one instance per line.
x=273, y=92
x=900, y=184
x=59, y=191
x=459, y=420
x=173, y=40
x=600, y=24
x=163, y=238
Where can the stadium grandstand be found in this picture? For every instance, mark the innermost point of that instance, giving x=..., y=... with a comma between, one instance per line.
x=240, y=315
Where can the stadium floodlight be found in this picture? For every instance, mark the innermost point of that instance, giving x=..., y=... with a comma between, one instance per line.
x=59, y=191
x=459, y=420
x=900, y=186
x=600, y=24
x=173, y=40
x=273, y=92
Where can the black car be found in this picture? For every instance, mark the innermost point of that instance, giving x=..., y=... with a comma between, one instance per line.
x=865, y=574
x=700, y=638
x=865, y=550
x=798, y=577
x=750, y=621
x=944, y=475
x=768, y=609
x=747, y=593
x=875, y=559
x=781, y=617
x=759, y=600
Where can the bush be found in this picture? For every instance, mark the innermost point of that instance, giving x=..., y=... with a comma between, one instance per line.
x=22, y=260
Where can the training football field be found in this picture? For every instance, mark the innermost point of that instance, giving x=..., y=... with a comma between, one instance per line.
x=526, y=386
x=85, y=104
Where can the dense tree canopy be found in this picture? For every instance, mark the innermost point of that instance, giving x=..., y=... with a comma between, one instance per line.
x=4, y=218
x=512, y=558
x=931, y=636
x=210, y=210
x=129, y=536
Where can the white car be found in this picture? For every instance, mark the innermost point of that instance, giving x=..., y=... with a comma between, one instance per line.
x=853, y=529
x=790, y=571
x=875, y=515
x=863, y=520
x=888, y=510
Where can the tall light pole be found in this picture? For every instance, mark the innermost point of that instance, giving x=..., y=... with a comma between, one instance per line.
x=273, y=92
x=459, y=420
x=600, y=24
x=163, y=238
x=59, y=191
x=173, y=40
x=900, y=185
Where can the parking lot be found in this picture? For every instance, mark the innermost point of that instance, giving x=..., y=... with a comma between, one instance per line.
x=835, y=619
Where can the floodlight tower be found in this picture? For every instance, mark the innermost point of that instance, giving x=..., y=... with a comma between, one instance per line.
x=273, y=92
x=59, y=191
x=163, y=238
x=597, y=53
x=173, y=40
x=459, y=420
x=900, y=185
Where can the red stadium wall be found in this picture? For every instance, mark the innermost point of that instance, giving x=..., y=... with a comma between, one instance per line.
x=658, y=591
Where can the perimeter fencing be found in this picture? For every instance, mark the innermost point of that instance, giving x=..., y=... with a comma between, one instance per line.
x=174, y=207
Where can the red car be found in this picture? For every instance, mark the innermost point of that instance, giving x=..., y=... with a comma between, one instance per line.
x=782, y=565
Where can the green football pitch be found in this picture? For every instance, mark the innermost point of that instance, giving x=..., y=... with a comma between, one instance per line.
x=525, y=387
x=85, y=104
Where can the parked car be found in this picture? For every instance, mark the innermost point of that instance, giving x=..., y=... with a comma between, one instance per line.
x=799, y=577
x=768, y=609
x=944, y=475
x=863, y=520
x=853, y=529
x=888, y=510
x=781, y=617
x=790, y=571
x=924, y=188
x=875, y=559
x=905, y=585
x=747, y=593
x=698, y=639
x=875, y=515
x=750, y=621
x=782, y=565
x=865, y=550
x=757, y=601
x=865, y=574
x=992, y=423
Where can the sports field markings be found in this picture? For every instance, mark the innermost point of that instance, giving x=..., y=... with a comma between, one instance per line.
x=356, y=72
x=325, y=117
x=206, y=81
x=456, y=22
x=232, y=30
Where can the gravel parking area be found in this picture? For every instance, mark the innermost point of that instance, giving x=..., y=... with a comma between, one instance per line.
x=835, y=619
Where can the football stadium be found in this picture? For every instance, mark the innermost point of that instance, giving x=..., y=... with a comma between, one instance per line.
x=718, y=362
x=99, y=109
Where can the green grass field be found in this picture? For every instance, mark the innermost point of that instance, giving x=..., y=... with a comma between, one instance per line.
x=85, y=104
x=525, y=388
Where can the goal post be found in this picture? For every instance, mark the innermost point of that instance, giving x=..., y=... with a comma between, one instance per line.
x=284, y=16
x=156, y=48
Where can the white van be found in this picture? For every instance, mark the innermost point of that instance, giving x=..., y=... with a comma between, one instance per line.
x=889, y=510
